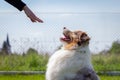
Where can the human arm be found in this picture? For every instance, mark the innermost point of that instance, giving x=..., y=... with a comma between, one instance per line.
x=17, y=3
x=22, y=6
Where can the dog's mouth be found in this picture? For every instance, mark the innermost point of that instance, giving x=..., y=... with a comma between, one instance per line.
x=66, y=35
x=65, y=38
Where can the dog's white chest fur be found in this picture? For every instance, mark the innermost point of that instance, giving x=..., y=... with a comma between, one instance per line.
x=66, y=63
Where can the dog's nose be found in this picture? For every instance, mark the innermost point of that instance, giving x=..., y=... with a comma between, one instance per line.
x=64, y=27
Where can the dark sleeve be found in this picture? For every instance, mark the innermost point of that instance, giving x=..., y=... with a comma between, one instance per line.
x=16, y=3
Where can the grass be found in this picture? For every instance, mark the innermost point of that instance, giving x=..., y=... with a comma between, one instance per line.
x=108, y=62
x=22, y=77
x=42, y=77
x=32, y=61
x=110, y=77
x=28, y=62
x=37, y=62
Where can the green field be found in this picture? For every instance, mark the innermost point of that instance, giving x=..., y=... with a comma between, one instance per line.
x=32, y=61
x=42, y=77
x=37, y=62
x=108, y=62
x=22, y=77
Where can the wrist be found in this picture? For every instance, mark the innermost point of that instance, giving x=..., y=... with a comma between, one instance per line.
x=25, y=8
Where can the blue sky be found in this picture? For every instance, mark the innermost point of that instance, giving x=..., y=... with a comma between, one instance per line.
x=99, y=18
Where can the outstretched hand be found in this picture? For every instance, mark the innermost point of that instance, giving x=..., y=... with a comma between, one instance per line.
x=31, y=15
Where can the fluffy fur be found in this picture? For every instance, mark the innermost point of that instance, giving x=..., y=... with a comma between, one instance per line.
x=71, y=62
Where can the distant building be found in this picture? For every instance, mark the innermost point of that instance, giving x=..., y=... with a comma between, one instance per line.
x=6, y=47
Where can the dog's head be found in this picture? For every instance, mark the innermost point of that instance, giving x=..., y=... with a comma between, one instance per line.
x=74, y=39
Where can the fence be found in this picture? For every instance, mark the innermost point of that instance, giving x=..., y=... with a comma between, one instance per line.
x=109, y=73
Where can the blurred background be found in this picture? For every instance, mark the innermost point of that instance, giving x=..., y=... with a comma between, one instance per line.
x=27, y=46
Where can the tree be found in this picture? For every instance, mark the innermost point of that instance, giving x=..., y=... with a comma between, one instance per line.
x=115, y=49
x=32, y=51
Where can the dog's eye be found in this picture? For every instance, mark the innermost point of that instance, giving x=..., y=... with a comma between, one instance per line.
x=76, y=33
x=84, y=35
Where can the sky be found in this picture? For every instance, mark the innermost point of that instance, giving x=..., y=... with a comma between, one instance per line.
x=99, y=18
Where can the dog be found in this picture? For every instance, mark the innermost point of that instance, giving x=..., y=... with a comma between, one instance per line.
x=73, y=60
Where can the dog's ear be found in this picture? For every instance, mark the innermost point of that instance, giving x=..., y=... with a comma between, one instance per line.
x=79, y=34
x=85, y=37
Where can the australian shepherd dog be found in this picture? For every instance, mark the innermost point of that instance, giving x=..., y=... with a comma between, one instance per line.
x=73, y=60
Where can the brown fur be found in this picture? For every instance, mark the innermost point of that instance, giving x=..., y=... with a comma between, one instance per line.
x=76, y=38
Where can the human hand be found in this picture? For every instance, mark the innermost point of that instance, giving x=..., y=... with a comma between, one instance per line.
x=31, y=15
